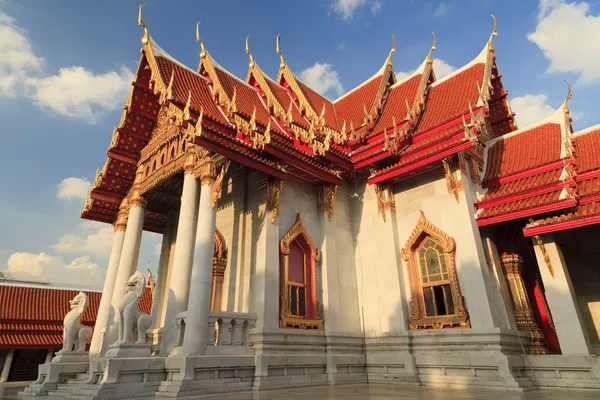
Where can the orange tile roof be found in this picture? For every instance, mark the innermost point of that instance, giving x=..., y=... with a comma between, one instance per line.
x=186, y=80
x=523, y=185
x=32, y=316
x=282, y=96
x=395, y=105
x=520, y=205
x=450, y=98
x=525, y=150
x=317, y=101
x=587, y=151
x=350, y=108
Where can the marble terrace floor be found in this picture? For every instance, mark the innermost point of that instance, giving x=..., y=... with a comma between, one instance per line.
x=376, y=392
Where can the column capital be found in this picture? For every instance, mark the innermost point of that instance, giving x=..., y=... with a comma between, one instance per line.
x=206, y=171
x=513, y=263
x=120, y=223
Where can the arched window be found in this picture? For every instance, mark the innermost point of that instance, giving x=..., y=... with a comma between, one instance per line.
x=299, y=306
x=436, y=301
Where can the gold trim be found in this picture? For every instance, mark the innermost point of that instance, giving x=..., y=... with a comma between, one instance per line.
x=286, y=320
x=547, y=260
x=453, y=178
x=218, y=184
x=417, y=317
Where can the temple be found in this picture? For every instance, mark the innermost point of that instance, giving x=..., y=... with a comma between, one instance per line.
x=407, y=233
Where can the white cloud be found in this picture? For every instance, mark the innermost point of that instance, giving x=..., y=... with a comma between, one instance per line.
x=567, y=34
x=73, y=188
x=74, y=92
x=43, y=267
x=17, y=58
x=78, y=93
x=441, y=10
x=93, y=238
x=346, y=8
x=530, y=109
x=440, y=67
x=322, y=78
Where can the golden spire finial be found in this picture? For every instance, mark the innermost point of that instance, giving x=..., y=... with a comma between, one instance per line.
x=202, y=49
x=433, y=47
x=494, y=33
x=392, y=50
x=141, y=23
x=278, y=49
x=569, y=97
x=248, y=51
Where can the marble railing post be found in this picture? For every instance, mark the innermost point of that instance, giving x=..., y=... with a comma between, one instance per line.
x=183, y=258
x=98, y=345
x=129, y=256
x=561, y=297
x=6, y=367
x=513, y=265
x=194, y=342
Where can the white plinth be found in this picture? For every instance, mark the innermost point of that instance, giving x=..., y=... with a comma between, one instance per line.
x=128, y=350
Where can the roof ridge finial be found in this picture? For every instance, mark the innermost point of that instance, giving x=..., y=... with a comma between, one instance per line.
x=433, y=47
x=202, y=49
x=248, y=51
x=392, y=51
x=146, y=37
x=278, y=49
x=569, y=97
x=490, y=42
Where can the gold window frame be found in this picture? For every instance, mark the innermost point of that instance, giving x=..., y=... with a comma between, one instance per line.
x=417, y=316
x=286, y=319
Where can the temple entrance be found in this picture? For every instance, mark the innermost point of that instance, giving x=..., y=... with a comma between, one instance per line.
x=581, y=250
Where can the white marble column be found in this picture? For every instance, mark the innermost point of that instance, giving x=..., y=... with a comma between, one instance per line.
x=182, y=260
x=49, y=356
x=129, y=259
x=161, y=279
x=194, y=341
x=6, y=367
x=561, y=297
x=98, y=345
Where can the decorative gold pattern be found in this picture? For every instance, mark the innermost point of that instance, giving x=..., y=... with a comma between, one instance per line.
x=218, y=271
x=326, y=199
x=385, y=199
x=274, y=188
x=547, y=260
x=218, y=185
x=513, y=265
x=121, y=221
x=417, y=317
x=286, y=319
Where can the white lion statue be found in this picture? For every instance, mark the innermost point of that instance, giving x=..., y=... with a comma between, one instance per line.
x=133, y=323
x=74, y=332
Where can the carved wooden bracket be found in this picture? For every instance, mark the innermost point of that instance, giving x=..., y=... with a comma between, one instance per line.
x=326, y=199
x=218, y=183
x=540, y=243
x=274, y=188
x=385, y=199
x=453, y=178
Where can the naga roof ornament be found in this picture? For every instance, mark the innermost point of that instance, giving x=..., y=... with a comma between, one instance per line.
x=199, y=40
x=569, y=97
x=248, y=52
x=433, y=47
x=146, y=37
x=490, y=42
x=392, y=51
x=278, y=49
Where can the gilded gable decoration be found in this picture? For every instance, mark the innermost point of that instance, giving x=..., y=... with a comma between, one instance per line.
x=274, y=188
x=326, y=199
x=299, y=304
x=436, y=301
x=385, y=199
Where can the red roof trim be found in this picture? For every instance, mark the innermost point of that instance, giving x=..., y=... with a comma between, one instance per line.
x=559, y=226
x=438, y=156
x=587, y=175
x=527, y=173
x=559, y=205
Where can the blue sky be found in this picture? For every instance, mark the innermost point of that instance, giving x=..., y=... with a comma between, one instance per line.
x=66, y=67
